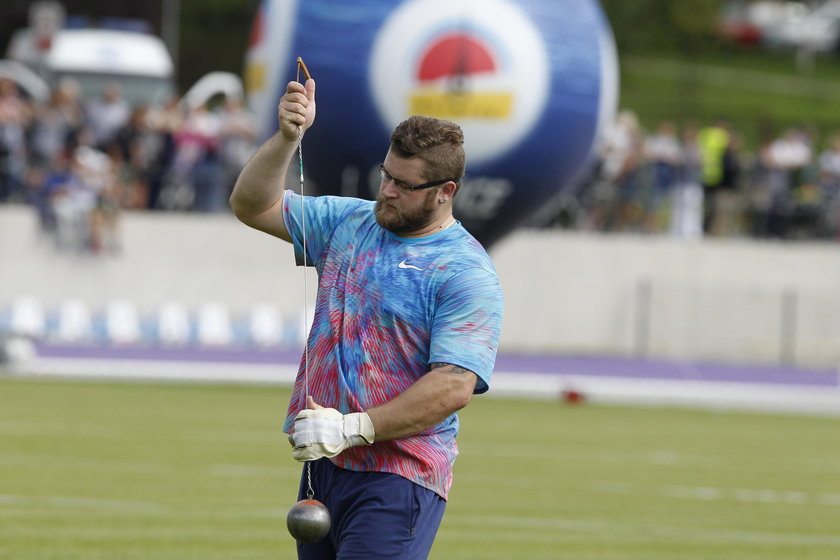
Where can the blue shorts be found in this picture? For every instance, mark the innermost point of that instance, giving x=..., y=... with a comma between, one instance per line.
x=374, y=515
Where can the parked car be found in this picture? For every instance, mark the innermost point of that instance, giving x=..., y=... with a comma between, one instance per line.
x=139, y=61
x=817, y=30
x=783, y=24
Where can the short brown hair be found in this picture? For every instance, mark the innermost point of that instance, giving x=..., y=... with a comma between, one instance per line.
x=440, y=143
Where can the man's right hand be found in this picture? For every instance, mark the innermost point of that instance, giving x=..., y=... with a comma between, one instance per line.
x=296, y=110
x=257, y=198
x=325, y=432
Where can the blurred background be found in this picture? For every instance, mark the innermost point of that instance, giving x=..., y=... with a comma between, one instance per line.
x=656, y=182
x=665, y=190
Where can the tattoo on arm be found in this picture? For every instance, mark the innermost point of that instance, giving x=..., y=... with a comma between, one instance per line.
x=450, y=369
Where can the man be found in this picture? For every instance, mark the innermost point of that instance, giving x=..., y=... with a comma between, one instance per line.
x=106, y=114
x=406, y=328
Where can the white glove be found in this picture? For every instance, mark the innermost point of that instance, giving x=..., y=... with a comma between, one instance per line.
x=325, y=432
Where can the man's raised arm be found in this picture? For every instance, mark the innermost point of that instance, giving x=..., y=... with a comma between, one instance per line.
x=257, y=198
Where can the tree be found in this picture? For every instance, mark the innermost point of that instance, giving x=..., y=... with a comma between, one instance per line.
x=214, y=36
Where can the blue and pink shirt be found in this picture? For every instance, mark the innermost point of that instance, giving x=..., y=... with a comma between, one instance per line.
x=388, y=307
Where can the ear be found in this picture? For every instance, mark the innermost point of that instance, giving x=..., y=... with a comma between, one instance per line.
x=447, y=190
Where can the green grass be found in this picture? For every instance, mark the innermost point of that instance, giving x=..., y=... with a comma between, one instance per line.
x=140, y=471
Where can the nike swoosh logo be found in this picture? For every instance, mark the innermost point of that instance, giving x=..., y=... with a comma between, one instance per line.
x=403, y=265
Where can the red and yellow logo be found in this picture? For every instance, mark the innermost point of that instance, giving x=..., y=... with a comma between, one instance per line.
x=444, y=68
x=480, y=63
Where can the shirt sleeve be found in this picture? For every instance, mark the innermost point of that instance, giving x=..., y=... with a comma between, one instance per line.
x=322, y=215
x=467, y=324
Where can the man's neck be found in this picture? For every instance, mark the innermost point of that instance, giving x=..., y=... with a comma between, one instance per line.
x=436, y=226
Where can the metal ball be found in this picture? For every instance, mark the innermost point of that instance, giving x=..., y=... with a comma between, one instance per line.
x=308, y=521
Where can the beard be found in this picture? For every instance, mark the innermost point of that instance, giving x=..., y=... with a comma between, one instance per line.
x=402, y=221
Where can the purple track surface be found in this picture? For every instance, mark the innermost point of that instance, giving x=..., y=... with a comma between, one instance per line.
x=583, y=366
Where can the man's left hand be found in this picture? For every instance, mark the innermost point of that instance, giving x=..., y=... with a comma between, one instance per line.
x=326, y=432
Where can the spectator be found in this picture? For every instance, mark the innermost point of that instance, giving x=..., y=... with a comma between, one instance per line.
x=106, y=114
x=726, y=209
x=713, y=141
x=829, y=183
x=164, y=123
x=687, y=211
x=664, y=154
x=622, y=156
x=136, y=153
x=110, y=199
x=69, y=202
x=784, y=158
x=759, y=198
x=163, y=159
x=52, y=184
x=97, y=194
x=829, y=166
x=195, y=181
x=55, y=124
x=237, y=140
x=15, y=116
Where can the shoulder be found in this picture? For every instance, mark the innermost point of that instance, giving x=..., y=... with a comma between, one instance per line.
x=467, y=268
x=333, y=208
x=330, y=201
x=464, y=253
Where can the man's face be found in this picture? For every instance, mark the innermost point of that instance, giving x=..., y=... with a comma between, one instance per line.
x=399, y=211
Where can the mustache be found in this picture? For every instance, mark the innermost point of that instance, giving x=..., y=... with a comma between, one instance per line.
x=381, y=201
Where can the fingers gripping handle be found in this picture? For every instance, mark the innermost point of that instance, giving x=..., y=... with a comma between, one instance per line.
x=326, y=432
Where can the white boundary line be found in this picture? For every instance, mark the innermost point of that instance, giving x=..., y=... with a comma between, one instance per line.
x=158, y=370
x=680, y=393
x=754, y=397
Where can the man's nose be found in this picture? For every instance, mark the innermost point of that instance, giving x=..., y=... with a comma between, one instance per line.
x=390, y=189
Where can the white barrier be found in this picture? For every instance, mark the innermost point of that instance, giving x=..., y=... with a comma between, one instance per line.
x=173, y=324
x=26, y=317
x=726, y=300
x=74, y=323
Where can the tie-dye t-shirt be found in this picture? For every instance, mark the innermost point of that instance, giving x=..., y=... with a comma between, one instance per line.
x=388, y=307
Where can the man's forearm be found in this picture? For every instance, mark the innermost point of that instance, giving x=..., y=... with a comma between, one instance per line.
x=261, y=182
x=433, y=398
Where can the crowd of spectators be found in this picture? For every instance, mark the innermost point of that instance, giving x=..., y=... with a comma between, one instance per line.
x=79, y=162
x=701, y=180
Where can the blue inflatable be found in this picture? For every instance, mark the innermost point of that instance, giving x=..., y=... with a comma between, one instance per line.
x=530, y=82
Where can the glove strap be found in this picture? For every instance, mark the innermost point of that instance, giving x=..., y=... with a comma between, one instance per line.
x=358, y=429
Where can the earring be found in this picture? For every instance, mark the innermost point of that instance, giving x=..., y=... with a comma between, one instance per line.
x=442, y=200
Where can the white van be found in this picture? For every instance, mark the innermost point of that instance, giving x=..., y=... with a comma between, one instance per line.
x=140, y=62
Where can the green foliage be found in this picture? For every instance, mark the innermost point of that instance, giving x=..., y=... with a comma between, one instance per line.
x=214, y=36
x=92, y=471
x=674, y=66
x=644, y=25
x=760, y=93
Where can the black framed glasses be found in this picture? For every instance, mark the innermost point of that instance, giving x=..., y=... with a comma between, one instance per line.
x=405, y=187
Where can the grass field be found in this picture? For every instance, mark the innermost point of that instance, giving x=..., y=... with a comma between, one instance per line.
x=140, y=471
